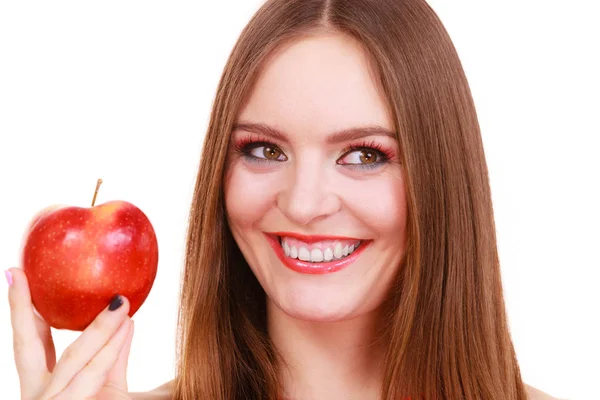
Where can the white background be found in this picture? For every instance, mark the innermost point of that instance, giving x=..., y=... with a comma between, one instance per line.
x=122, y=90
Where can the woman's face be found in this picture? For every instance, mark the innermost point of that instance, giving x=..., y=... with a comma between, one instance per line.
x=316, y=205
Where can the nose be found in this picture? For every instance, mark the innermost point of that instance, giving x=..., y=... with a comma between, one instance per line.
x=308, y=195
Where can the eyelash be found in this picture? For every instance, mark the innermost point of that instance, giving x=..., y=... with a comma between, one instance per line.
x=248, y=143
x=385, y=155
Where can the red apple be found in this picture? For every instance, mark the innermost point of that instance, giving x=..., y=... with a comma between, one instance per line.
x=77, y=259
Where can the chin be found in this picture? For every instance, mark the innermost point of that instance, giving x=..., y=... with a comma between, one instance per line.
x=311, y=314
x=309, y=305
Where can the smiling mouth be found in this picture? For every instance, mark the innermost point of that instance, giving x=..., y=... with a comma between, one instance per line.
x=316, y=252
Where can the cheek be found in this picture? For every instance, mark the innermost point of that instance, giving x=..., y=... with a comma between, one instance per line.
x=248, y=196
x=380, y=204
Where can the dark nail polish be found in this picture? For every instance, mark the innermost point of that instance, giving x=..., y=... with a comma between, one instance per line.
x=115, y=303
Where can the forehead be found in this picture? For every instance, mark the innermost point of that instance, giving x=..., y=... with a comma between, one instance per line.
x=316, y=85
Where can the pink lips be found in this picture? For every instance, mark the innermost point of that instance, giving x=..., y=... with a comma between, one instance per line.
x=305, y=267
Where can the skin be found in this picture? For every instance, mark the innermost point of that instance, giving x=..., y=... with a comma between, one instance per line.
x=95, y=364
x=323, y=325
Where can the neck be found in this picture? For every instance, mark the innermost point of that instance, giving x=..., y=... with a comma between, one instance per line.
x=327, y=360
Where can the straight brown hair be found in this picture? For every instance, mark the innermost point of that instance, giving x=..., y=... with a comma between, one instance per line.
x=447, y=335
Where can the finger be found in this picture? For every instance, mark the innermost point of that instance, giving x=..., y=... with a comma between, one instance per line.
x=29, y=348
x=90, y=342
x=117, y=376
x=45, y=335
x=90, y=380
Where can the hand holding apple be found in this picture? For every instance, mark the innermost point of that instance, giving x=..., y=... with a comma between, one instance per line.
x=93, y=366
x=77, y=259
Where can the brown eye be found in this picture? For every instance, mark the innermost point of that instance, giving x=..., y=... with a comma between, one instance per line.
x=367, y=157
x=363, y=157
x=271, y=153
x=264, y=152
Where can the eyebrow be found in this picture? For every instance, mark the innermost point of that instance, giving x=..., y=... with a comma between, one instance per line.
x=344, y=135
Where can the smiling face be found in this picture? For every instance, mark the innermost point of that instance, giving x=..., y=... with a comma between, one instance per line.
x=315, y=202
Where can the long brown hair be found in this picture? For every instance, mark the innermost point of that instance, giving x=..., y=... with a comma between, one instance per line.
x=447, y=336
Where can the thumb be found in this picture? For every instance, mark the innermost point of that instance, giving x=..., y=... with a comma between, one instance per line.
x=117, y=377
x=32, y=342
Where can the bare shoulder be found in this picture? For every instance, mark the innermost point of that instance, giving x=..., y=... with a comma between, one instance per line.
x=536, y=394
x=163, y=392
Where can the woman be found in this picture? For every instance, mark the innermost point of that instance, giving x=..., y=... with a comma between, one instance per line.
x=341, y=240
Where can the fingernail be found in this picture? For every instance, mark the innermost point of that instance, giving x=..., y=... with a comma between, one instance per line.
x=115, y=303
x=9, y=277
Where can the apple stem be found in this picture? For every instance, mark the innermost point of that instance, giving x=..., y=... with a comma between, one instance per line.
x=96, y=192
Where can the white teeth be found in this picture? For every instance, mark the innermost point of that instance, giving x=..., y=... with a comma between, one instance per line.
x=328, y=254
x=303, y=254
x=316, y=255
x=337, y=251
